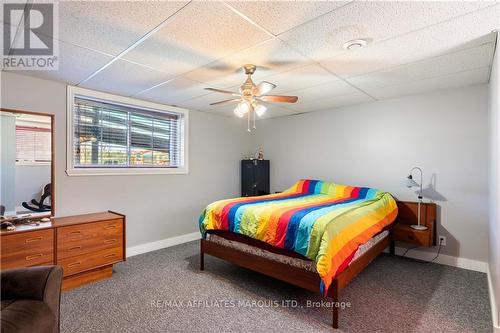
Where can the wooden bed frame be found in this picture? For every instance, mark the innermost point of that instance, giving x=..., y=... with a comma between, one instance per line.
x=309, y=280
x=293, y=275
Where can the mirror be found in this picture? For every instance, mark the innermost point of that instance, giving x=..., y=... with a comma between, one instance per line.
x=26, y=163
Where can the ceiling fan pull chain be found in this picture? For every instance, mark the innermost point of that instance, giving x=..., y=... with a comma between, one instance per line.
x=248, y=122
x=253, y=112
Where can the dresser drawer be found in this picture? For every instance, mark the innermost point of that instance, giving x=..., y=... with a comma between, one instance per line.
x=27, y=249
x=92, y=260
x=66, y=249
x=78, y=233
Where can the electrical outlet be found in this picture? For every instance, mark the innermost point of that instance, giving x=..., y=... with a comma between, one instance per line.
x=442, y=240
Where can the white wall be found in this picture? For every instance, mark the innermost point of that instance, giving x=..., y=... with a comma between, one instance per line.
x=376, y=144
x=29, y=182
x=157, y=206
x=494, y=221
x=7, y=161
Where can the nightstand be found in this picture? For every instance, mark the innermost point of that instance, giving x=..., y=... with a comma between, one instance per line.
x=407, y=215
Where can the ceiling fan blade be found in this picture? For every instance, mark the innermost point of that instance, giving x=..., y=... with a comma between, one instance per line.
x=264, y=87
x=223, y=91
x=227, y=101
x=279, y=99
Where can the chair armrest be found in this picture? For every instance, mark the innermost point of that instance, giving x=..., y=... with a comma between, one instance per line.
x=40, y=283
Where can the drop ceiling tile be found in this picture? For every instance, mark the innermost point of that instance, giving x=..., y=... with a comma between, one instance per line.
x=336, y=87
x=74, y=64
x=323, y=37
x=331, y=102
x=271, y=57
x=464, y=32
x=219, y=74
x=471, y=77
x=175, y=91
x=460, y=61
x=300, y=78
x=125, y=78
x=111, y=26
x=280, y=16
x=202, y=103
x=199, y=34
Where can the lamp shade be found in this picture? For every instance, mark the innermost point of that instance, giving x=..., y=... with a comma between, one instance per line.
x=241, y=109
x=260, y=109
x=409, y=182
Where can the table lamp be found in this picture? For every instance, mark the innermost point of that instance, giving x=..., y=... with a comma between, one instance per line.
x=410, y=182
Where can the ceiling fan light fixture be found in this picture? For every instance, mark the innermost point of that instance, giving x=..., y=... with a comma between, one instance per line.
x=241, y=109
x=248, y=96
x=355, y=44
x=260, y=110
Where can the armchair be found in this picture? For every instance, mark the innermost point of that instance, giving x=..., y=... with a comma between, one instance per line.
x=30, y=299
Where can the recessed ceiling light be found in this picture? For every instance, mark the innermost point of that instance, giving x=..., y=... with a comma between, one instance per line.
x=355, y=44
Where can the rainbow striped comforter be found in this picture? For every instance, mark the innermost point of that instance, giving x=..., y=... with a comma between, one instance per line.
x=326, y=222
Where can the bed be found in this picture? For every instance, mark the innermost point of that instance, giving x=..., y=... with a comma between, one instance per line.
x=316, y=235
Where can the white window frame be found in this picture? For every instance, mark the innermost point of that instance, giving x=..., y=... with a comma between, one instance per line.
x=73, y=92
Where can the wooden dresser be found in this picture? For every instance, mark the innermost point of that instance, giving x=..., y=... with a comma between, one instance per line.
x=86, y=246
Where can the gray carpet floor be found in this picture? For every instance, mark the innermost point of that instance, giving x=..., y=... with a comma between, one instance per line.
x=163, y=291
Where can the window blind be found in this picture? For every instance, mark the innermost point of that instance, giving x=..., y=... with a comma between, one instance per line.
x=33, y=144
x=110, y=135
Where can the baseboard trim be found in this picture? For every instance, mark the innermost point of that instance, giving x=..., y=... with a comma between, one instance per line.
x=493, y=305
x=443, y=259
x=161, y=244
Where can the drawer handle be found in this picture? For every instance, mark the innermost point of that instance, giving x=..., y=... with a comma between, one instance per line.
x=35, y=256
x=109, y=255
x=78, y=232
x=75, y=248
x=34, y=239
x=112, y=226
x=109, y=241
x=74, y=264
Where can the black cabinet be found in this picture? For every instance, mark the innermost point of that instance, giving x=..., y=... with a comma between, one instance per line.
x=254, y=177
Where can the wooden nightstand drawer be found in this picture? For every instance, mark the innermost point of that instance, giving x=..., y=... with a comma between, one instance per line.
x=405, y=233
x=27, y=249
x=408, y=213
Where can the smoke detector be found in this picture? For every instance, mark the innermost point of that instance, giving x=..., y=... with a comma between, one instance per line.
x=355, y=44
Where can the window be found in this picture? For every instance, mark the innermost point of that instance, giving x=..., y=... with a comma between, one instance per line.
x=33, y=145
x=110, y=134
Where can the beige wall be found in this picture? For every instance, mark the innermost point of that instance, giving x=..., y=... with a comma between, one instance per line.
x=376, y=144
x=157, y=206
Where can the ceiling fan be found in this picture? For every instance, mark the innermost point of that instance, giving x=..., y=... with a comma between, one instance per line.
x=251, y=96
